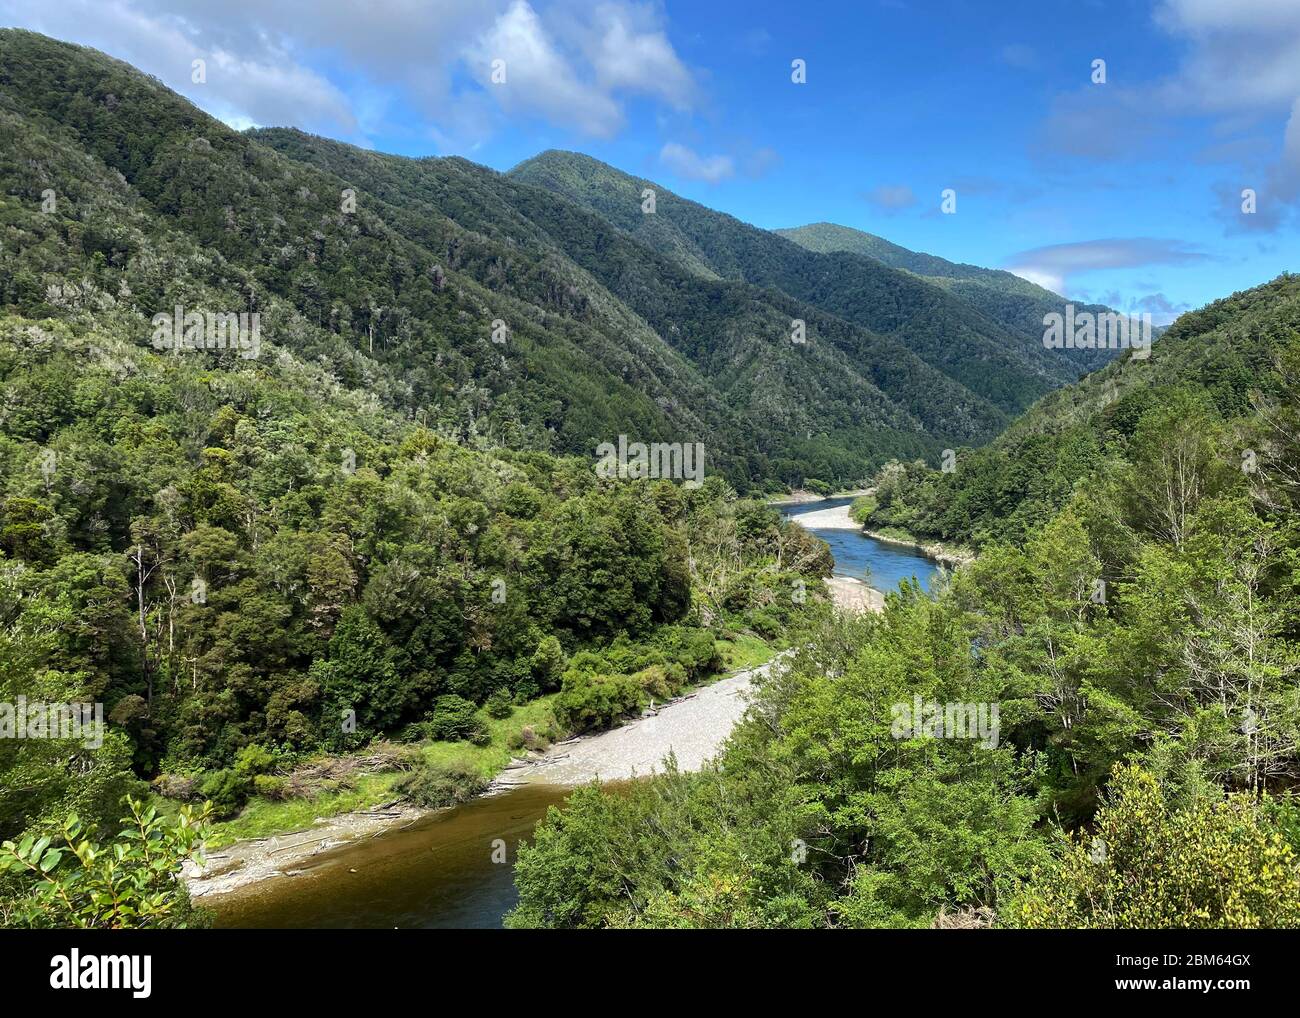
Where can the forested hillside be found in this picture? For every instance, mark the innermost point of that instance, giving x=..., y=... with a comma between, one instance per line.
x=1132, y=619
x=1002, y=296
x=1225, y=353
x=367, y=522
x=1000, y=358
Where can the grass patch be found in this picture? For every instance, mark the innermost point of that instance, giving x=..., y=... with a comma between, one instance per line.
x=262, y=817
x=744, y=650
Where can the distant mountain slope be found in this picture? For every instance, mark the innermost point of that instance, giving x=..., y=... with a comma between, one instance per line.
x=737, y=335
x=399, y=297
x=1226, y=355
x=1003, y=296
x=396, y=274
x=1007, y=366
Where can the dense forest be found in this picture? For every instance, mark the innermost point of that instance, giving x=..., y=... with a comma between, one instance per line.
x=377, y=529
x=1132, y=613
x=371, y=532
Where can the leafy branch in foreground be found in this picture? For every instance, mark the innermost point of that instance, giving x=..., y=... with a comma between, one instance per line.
x=1218, y=865
x=132, y=882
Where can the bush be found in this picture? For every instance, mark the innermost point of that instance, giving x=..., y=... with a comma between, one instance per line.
x=499, y=705
x=527, y=690
x=694, y=649
x=548, y=663
x=253, y=760
x=226, y=790
x=435, y=785
x=589, y=701
x=455, y=718
x=1221, y=865
x=131, y=883
x=271, y=786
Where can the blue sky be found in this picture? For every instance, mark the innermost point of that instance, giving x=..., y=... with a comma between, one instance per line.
x=1127, y=191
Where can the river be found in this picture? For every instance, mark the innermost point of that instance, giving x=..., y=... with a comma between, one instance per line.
x=452, y=869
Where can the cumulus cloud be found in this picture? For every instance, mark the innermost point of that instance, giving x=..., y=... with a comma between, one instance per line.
x=689, y=164
x=246, y=85
x=535, y=77
x=1053, y=266
x=276, y=63
x=1243, y=53
x=1241, y=66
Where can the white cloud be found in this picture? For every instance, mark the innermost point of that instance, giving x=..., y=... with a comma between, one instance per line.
x=272, y=63
x=686, y=163
x=258, y=85
x=634, y=53
x=1244, y=53
x=1054, y=265
x=537, y=77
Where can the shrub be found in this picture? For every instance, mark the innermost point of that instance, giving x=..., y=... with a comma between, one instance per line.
x=456, y=718
x=271, y=786
x=588, y=700
x=132, y=883
x=548, y=663
x=1221, y=865
x=253, y=760
x=436, y=785
x=226, y=790
x=499, y=704
x=527, y=690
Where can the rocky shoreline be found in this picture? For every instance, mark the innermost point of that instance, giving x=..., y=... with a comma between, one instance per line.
x=693, y=727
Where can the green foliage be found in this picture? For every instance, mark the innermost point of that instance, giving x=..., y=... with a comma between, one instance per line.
x=226, y=789
x=1145, y=865
x=500, y=704
x=1144, y=618
x=589, y=700
x=547, y=664
x=433, y=786
x=132, y=883
x=455, y=718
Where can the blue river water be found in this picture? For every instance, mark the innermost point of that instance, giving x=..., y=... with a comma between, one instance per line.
x=878, y=564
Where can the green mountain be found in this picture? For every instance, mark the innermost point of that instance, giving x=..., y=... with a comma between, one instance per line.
x=400, y=292
x=350, y=513
x=846, y=382
x=1004, y=297
x=1225, y=355
x=1005, y=363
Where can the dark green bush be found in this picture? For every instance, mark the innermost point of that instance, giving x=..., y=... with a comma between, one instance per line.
x=437, y=785
x=456, y=718
x=588, y=700
x=499, y=704
x=226, y=789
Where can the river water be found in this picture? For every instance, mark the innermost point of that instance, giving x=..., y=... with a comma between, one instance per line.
x=880, y=565
x=453, y=869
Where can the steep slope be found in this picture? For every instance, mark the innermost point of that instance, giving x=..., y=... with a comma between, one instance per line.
x=1003, y=296
x=737, y=335
x=413, y=323
x=399, y=289
x=1224, y=356
x=1009, y=368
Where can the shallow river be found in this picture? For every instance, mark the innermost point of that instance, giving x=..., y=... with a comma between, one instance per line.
x=446, y=870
